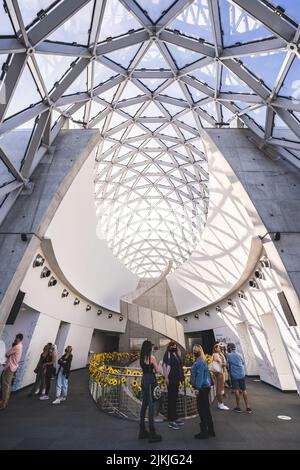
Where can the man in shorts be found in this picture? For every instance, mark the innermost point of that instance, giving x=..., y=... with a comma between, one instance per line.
x=238, y=378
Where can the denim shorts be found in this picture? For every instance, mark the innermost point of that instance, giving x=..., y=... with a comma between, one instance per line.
x=238, y=384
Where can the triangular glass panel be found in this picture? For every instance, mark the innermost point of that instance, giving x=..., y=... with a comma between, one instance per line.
x=194, y=21
x=136, y=131
x=172, y=108
x=155, y=8
x=29, y=10
x=116, y=120
x=76, y=29
x=6, y=27
x=96, y=108
x=187, y=135
x=79, y=85
x=79, y=115
x=169, y=130
x=153, y=59
x=282, y=131
x=152, y=110
x=238, y=27
x=109, y=94
x=189, y=119
x=182, y=56
x=228, y=116
x=152, y=126
x=102, y=73
x=124, y=56
x=197, y=95
x=232, y=83
x=21, y=100
x=265, y=66
x=132, y=110
x=291, y=8
x=116, y=21
x=174, y=91
x=210, y=108
x=52, y=67
x=20, y=137
x=152, y=83
x=259, y=116
x=130, y=91
x=206, y=75
x=291, y=84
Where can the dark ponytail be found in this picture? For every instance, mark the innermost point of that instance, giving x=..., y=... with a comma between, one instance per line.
x=145, y=352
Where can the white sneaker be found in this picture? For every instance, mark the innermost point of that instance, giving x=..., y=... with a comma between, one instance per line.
x=44, y=397
x=63, y=398
x=221, y=406
x=36, y=392
x=56, y=402
x=43, y=391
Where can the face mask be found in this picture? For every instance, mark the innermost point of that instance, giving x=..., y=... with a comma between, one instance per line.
x=196, y=354
x=173, y=349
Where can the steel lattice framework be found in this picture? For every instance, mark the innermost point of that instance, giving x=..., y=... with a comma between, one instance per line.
x=149, y=74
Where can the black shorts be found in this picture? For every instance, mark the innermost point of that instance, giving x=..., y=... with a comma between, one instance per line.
x=238, y=384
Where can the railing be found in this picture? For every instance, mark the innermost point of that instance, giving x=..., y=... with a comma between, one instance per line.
x=117, y=391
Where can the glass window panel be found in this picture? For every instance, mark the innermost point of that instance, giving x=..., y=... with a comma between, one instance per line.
x=281, y=130
x=52, y=67
x=21, y=138
x=79, y=85
x=124, y=56
x=76, y=29
x=265, y=66
x=153, y=59
x=116, y=21
x=6, y=27
x=102, y=73
x=206, y=75
x=291, y=8
x=130, y=91
x=96, y=108
x=182, y=56
x=5, y=175
x=189, y=119
x=151, y=111
x=152, y=83
x=174, y=91
x=132, y=110
x=238, y=26
x=30, y=9
x=195, y=21
x=21, y=100
x=155, y=8
x=232, y=83
x=259, y=116
x=291, y=84
x=197, y=95
x=109, y=94
x=210, y=108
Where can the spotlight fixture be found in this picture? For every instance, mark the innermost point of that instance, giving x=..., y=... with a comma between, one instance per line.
x=65, y=293
x=196, y=315
x=258, y=274
x=252, y=283
x=218, y=308
x=24, y=237
x=110, y=315
x=121, y=319
x=230, y=301
x=185, y=319
x=99, y=311
x=242, y=294
x=276, y=236
x=46, y=272
x=88, y=307
x=265, y=263
x=207, y=313
x=52, y=282
x=76, y=301
x=279, y=10
x=39, y=261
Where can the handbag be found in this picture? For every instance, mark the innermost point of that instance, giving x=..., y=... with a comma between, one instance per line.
x=215, y=367
x=156, y=392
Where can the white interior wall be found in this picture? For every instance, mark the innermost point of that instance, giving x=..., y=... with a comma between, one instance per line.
x=85, y=260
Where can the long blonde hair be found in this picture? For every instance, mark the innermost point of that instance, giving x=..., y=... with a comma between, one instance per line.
x=198, y=349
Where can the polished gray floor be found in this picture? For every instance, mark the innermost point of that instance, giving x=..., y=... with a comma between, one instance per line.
x=29, y=423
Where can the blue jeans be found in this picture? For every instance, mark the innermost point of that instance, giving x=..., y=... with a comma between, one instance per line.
x=61, y=384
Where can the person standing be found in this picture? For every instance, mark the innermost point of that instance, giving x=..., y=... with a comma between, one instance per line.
x=62, y=380
x=13, y=357
x=238, y=378
x=218, y=367
x=49, y=367
x=201, y=380
x=149, y=367
x=173, y=373
x=39, y=384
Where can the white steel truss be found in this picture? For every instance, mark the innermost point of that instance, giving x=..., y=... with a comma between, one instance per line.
x=148, y=74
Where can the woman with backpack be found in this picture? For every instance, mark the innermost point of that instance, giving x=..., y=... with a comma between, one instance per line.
x=202, y=381
x=62, y=380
